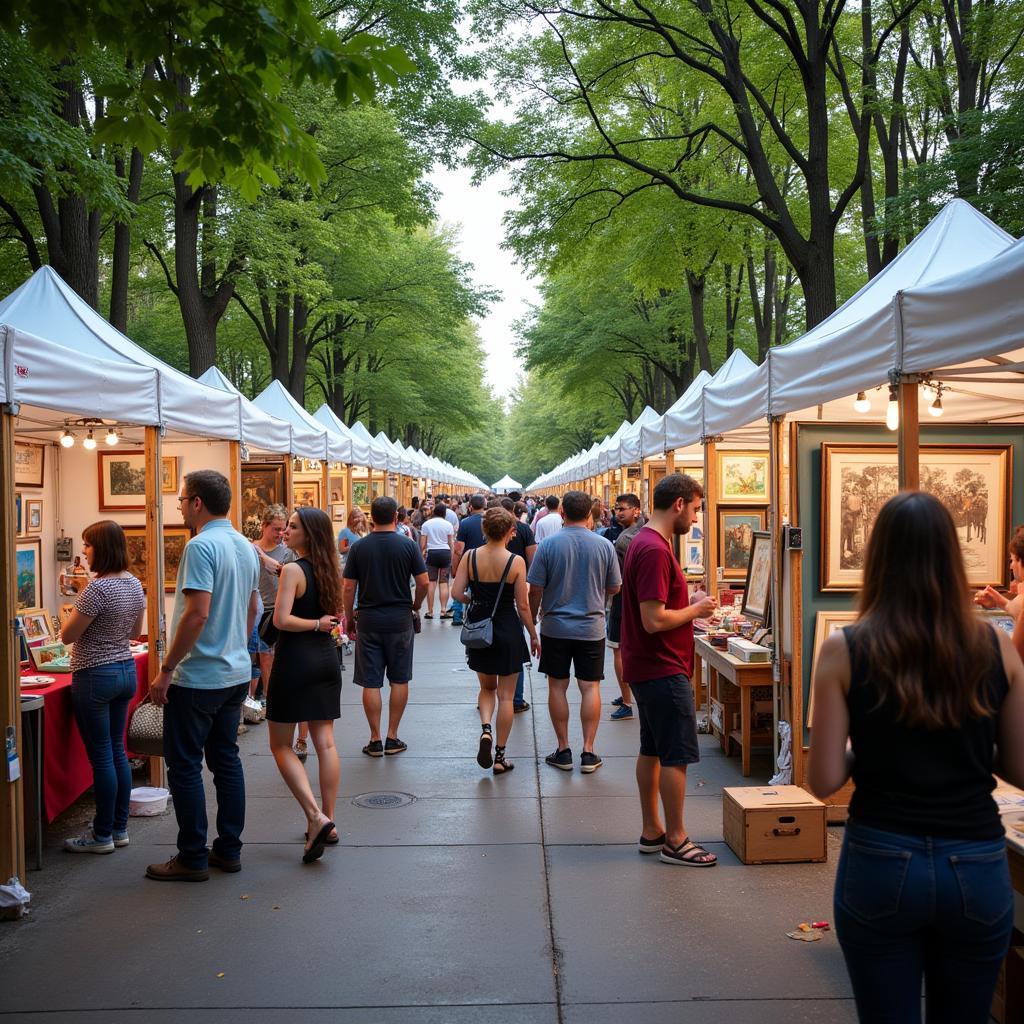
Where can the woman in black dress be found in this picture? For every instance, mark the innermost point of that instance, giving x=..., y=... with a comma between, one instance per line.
x=305, y=684
x=477, y=583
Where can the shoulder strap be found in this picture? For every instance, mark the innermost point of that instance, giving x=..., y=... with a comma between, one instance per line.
x=501, y=586
x=472, y=563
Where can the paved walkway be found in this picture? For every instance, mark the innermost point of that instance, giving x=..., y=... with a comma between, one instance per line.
x=517, y=900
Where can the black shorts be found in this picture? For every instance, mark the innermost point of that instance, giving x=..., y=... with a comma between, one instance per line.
x=380, y=652
x=439, y=565
x=615, y=621
x=668, y=720
x=558, y=654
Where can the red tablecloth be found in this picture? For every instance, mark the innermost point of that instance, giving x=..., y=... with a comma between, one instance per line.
x=67, y=773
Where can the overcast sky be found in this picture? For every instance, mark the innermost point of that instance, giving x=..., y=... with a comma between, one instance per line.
x=476, y=214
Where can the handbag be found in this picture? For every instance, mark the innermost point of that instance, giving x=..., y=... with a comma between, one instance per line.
x=478, y=636
x=267, y=631
x=146, y=729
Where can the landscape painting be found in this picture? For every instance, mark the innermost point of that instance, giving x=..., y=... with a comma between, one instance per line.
x=972, y=481
x=175, y=539
x=736, y=529
x=122, y=481
x=743, y=476
x=27, y=568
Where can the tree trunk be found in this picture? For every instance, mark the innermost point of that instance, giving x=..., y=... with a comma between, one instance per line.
x=120, y=259
x=300, y=353
x=696, y=286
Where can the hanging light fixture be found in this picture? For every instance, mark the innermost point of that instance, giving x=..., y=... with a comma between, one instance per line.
x=936, y=407
x=862, y=403
x=111, y=437
x=892, y=410
x=67, y=439
x=90, y=441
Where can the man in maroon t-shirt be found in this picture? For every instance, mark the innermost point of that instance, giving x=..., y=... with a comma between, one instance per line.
x=657, y=659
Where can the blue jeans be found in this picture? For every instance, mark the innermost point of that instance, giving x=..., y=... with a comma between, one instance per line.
x=908, y=907
x=198, y=722
x=518, y=699
x=100, y=698
x=458, y=611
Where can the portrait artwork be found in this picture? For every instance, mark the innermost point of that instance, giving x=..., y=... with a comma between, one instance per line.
x=757, y=595
x=262, y=485
x=736, y=529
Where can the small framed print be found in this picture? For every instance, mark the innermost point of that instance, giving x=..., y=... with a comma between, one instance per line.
x=19, y=514
x=64, y=614
x=757, y=593
x=825, y=624
x=175, y=539
x=306, y=493
x=122, y=481
x=35, y=625
x=29, y=461
x=168, y=474
x=736, y=529
x=743, y=477
x=28, y=582
x=33, y=515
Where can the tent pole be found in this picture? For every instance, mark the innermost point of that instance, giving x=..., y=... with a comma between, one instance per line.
x=348, y=491
x=325, y=483
x=12, y=831
x=796, y=667
x=155, y=572
x=289, y=484
x=779, y=692
x=670, y=463
x=235, y=479
x=711, y=518
x=908, y=438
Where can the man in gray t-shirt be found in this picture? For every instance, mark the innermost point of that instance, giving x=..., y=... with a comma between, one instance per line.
x=573, y=574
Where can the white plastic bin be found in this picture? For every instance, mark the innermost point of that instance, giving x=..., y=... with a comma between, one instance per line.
x=147, y=801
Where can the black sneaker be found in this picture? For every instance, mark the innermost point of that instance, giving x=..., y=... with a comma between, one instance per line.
x=617, y=702
x=483, y=755
x=560, y=759
x=651, y=845
x=394, y=746
x=517, y=708
x=589, y=762
x=374, y=749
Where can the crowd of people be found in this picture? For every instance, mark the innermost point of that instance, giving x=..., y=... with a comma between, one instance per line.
x=919, y=702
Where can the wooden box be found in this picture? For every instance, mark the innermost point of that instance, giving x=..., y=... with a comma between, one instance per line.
x=773, y=824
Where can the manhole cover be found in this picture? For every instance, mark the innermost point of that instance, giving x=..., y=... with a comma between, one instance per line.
x=383, y=801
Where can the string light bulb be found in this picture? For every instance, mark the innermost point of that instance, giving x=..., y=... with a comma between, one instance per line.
x=67, y=439
x=936, y=407
x=112, y=437
x=862, y=403
x=892, y=410
x=90, y=441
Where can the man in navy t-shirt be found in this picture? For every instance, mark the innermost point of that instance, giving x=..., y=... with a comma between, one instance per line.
x=657, y=659
x=470, y=536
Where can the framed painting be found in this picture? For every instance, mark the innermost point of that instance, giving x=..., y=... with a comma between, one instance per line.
x=262, y=485
x=306, y=493
x=175, y=539
x=825, y=624
x=757, y=594
x=122, y=481
x=361, y=493
x=743, y=477
x=19, y=514
x=35, y=625
x=29, y=461
x=33, y=515
x=64, y=614
x=692, y=548
x=169, y=474
x=736, y=529
x=972, y=481
x=28, y=566
x=696, y=470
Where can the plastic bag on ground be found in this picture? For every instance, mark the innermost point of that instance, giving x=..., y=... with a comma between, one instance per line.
x=14, y=899
x=784, y=776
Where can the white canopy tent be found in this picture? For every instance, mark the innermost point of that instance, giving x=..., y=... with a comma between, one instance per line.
x=652, y=435
x=506, y=483
x=853, y=349
x=361, y=451
x=318, y=442
x=608, y=450
x=380, y=457
x=630, y=442
x=259, y=428
x=48, y=308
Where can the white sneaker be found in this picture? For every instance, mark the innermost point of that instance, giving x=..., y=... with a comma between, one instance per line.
x=88, y=843
x=121, y=838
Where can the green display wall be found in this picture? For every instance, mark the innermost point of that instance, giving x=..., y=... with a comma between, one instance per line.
x=806, y=463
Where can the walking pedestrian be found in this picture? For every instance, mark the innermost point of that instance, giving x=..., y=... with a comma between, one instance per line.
x=204, y=678
x=306, y=682
x=913, y=701
x=626, y=526
x=491, y=581
x=657, y=659
x=382, y=565
x=574, y=572
x=108, y=613
x=524, y=544
x=551, y=522
x=437, y=542
x=470, y=535
x=355, y=529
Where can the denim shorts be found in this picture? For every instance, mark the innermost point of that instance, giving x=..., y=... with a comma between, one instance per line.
x=668, y=721
x=256, y=643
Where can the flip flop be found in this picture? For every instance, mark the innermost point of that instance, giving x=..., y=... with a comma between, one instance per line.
x=330, y=841
x=316, y=850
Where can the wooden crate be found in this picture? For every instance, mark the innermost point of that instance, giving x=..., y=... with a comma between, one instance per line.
x=773, y=824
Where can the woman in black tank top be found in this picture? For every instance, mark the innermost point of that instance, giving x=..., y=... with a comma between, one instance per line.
x=912, y=702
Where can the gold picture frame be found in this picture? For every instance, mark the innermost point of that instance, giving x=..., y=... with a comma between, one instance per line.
x=175, y=539
x=743, y=477
x=306, y=494
x=825, y=624
x=169, y=474
x=972, y=481
x=736, y=528
x=758, y=586
x=35, y=625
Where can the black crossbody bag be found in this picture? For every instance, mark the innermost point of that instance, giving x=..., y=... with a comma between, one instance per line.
x=478, y=636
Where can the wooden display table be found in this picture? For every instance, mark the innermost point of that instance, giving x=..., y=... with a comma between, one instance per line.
x=731, y=682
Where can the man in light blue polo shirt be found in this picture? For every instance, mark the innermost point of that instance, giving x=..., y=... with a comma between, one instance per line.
x=204, y=678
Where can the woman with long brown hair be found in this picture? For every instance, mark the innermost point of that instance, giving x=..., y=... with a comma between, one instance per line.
x=912, y=702
x=305, y=685
x=108, y=613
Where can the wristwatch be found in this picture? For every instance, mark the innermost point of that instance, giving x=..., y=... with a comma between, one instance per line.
x=167, y=669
